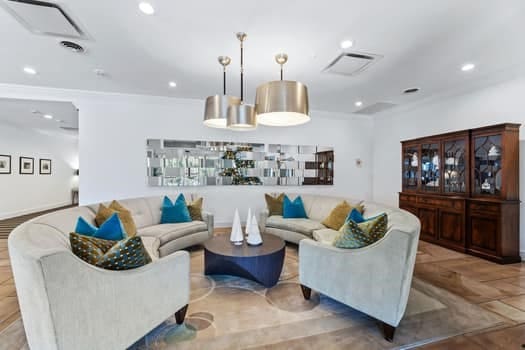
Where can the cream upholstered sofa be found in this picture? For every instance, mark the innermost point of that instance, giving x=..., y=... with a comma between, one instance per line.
x=68, y=304
x=374, y=280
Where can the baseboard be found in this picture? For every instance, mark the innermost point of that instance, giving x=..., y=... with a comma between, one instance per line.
x=14, y=214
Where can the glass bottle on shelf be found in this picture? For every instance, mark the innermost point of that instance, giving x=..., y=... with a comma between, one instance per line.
x=410, y=168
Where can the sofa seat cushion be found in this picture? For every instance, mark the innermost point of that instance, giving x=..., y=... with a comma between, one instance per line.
x=304, y=226
x=326, y=236
x=169, y=232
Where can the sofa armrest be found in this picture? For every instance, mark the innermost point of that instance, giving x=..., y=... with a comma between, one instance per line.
x=209, y=220
x=375, y=279
x=86, y=301
x=263, y=217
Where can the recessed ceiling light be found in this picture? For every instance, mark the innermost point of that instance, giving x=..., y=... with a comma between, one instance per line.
x=346, y=44
x=59, y=120
x=146, y=8
x=172, y=84
x=100, y=72
x=29, y=70
x=47, y=116
x=358, y=104
x=467, y=67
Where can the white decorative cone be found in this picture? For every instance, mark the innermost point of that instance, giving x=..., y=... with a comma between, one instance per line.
x=236, y=237
x=254, y=238
x=248, y=222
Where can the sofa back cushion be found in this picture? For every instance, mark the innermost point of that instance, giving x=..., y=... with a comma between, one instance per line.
x=65, y=221
x=319, y=207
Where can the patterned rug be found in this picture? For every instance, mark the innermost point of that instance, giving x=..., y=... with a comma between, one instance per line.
x=228, y=312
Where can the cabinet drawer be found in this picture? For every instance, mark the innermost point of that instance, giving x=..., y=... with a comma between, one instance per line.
x=407, y=198
x=484, y=207
x=442, y=202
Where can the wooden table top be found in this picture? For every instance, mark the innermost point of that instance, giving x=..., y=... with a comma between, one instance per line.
x=221, y=245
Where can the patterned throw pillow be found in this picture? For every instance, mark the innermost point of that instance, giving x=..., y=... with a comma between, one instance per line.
x=339, y=214
x=353, y=235
x=124, y=215
x=274, y=204
x=175, y=212
x=195, y=209
x=111, y=229
x=126, y=254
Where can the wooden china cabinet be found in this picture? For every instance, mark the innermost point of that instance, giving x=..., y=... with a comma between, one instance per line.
x=464, y=187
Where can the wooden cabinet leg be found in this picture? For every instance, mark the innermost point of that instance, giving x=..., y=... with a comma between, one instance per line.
x=388, y=331
x=307, y=292
x=181, y=314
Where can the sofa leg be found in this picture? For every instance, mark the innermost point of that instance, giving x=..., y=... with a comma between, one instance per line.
x=181, y=314
x=388, y=331
x=307, y=292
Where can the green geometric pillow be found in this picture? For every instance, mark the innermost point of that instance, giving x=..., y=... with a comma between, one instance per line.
x=126, y=254
x=353, y=235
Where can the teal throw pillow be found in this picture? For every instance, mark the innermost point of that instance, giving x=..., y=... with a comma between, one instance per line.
x=111, y=229
x=173, y=213
x=355, y=216
x=295, y=209
x=358, y=235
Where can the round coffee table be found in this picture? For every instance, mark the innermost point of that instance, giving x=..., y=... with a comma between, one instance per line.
x=262, y=264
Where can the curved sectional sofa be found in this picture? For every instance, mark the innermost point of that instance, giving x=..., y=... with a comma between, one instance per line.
x=121, y=306
x=375, y=279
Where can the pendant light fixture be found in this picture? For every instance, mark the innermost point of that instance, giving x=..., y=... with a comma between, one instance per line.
x=282, y=102
x=241, y=117
x=216, y=108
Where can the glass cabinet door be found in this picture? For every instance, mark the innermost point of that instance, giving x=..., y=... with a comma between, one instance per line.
x=454, y=167
x=410, y=168
x=430, y=167
x=487, y=165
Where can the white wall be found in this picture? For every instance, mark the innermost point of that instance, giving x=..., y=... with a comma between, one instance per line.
x=113, y=133
x=492, y=105
x=21, y=194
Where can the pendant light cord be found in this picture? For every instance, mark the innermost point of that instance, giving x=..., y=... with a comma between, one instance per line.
x=224, y=81
x=242, y=72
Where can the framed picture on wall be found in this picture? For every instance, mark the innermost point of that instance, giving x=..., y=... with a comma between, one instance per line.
x=45, y=166
x=27, y=166
x=5, y=164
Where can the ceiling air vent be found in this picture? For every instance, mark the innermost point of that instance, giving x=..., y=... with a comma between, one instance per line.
x=351, y=63
x=44, y=18
x=376, y=108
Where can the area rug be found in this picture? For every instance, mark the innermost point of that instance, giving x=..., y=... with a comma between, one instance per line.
x=228, y=312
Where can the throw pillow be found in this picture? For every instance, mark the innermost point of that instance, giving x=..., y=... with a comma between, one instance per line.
x=274, y=204
x=111, y=229
x=353, y=235
x=338, y=215
x=295, y=209
x=173, y=213
x=124, y=215
x=126, y=254
x=358, y=217
x=195, y=209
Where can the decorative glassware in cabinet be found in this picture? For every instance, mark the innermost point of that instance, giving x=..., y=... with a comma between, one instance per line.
x=454, y=167
x=410, y=168
x=430, y=167
x=487, y=165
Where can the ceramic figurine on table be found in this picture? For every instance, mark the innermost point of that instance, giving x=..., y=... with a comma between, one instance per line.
x=236, y=236
x=254, y=238
x=248, y=222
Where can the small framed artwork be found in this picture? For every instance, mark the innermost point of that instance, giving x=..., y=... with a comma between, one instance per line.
x=5, y=164
x=27, y=166
x=45, y=166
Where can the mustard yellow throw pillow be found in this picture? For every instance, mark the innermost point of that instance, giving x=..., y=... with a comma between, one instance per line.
x=336, y=219
x=124, y=215
x=195, y=209
x=274, y=204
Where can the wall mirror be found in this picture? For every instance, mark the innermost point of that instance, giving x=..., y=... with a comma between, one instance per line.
x=217, y=163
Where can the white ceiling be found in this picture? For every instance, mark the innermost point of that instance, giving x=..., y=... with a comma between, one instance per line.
x=424, y=44
x=28, y=114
